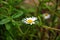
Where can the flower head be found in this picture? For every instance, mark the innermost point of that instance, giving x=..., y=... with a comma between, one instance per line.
x=46, y=16
x=30, y=20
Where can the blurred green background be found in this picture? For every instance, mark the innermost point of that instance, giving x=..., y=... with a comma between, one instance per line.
x=13, y=11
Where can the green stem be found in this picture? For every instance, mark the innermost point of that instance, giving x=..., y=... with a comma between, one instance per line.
x=18, y=26
x=52, y=11
x=11, y=34
x=20, y=30
x=40, y=23
x=36, y=11
x=46, y=27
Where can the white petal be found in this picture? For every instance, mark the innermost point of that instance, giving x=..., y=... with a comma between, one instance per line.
x=34, y=18
x=33, y=22
x=30, y=18
x=46, y=17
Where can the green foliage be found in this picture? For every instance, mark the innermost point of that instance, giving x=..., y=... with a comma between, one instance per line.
x=18, y=14
x=4, y=21
x=58, y=38
x=12, y=12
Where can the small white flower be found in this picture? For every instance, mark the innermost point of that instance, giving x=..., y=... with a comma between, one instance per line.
x=46, y=16
x=30, y=20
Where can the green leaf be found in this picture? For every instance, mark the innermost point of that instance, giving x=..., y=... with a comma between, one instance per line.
x=58, y=38
x=4, y=2
x=31, y=10
x=20, y=13
x=4, y=21
x=8, y=27
x=9, y=38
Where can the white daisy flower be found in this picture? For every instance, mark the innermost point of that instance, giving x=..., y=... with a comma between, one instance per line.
x=30, y=20
x=46, y=16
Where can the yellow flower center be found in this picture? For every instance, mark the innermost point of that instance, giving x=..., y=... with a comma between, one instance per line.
x=46, y=14
x=29, y=21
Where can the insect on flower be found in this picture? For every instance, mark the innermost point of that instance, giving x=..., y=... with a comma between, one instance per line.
x=30, y=20
x=46, y=16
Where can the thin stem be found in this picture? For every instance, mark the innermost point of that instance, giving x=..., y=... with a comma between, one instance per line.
x=40, y=21
x=52, y=11
x=11, y=34
x=20, y=30
x=17, y=26
x=36, y=5
x=46, y=27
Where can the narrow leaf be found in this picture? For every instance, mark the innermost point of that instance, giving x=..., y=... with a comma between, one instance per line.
x=8, y=27
x=20, y=13
x=4, y=21
x=58, y=38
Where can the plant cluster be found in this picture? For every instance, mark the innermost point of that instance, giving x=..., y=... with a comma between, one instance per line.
x=24, y=20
